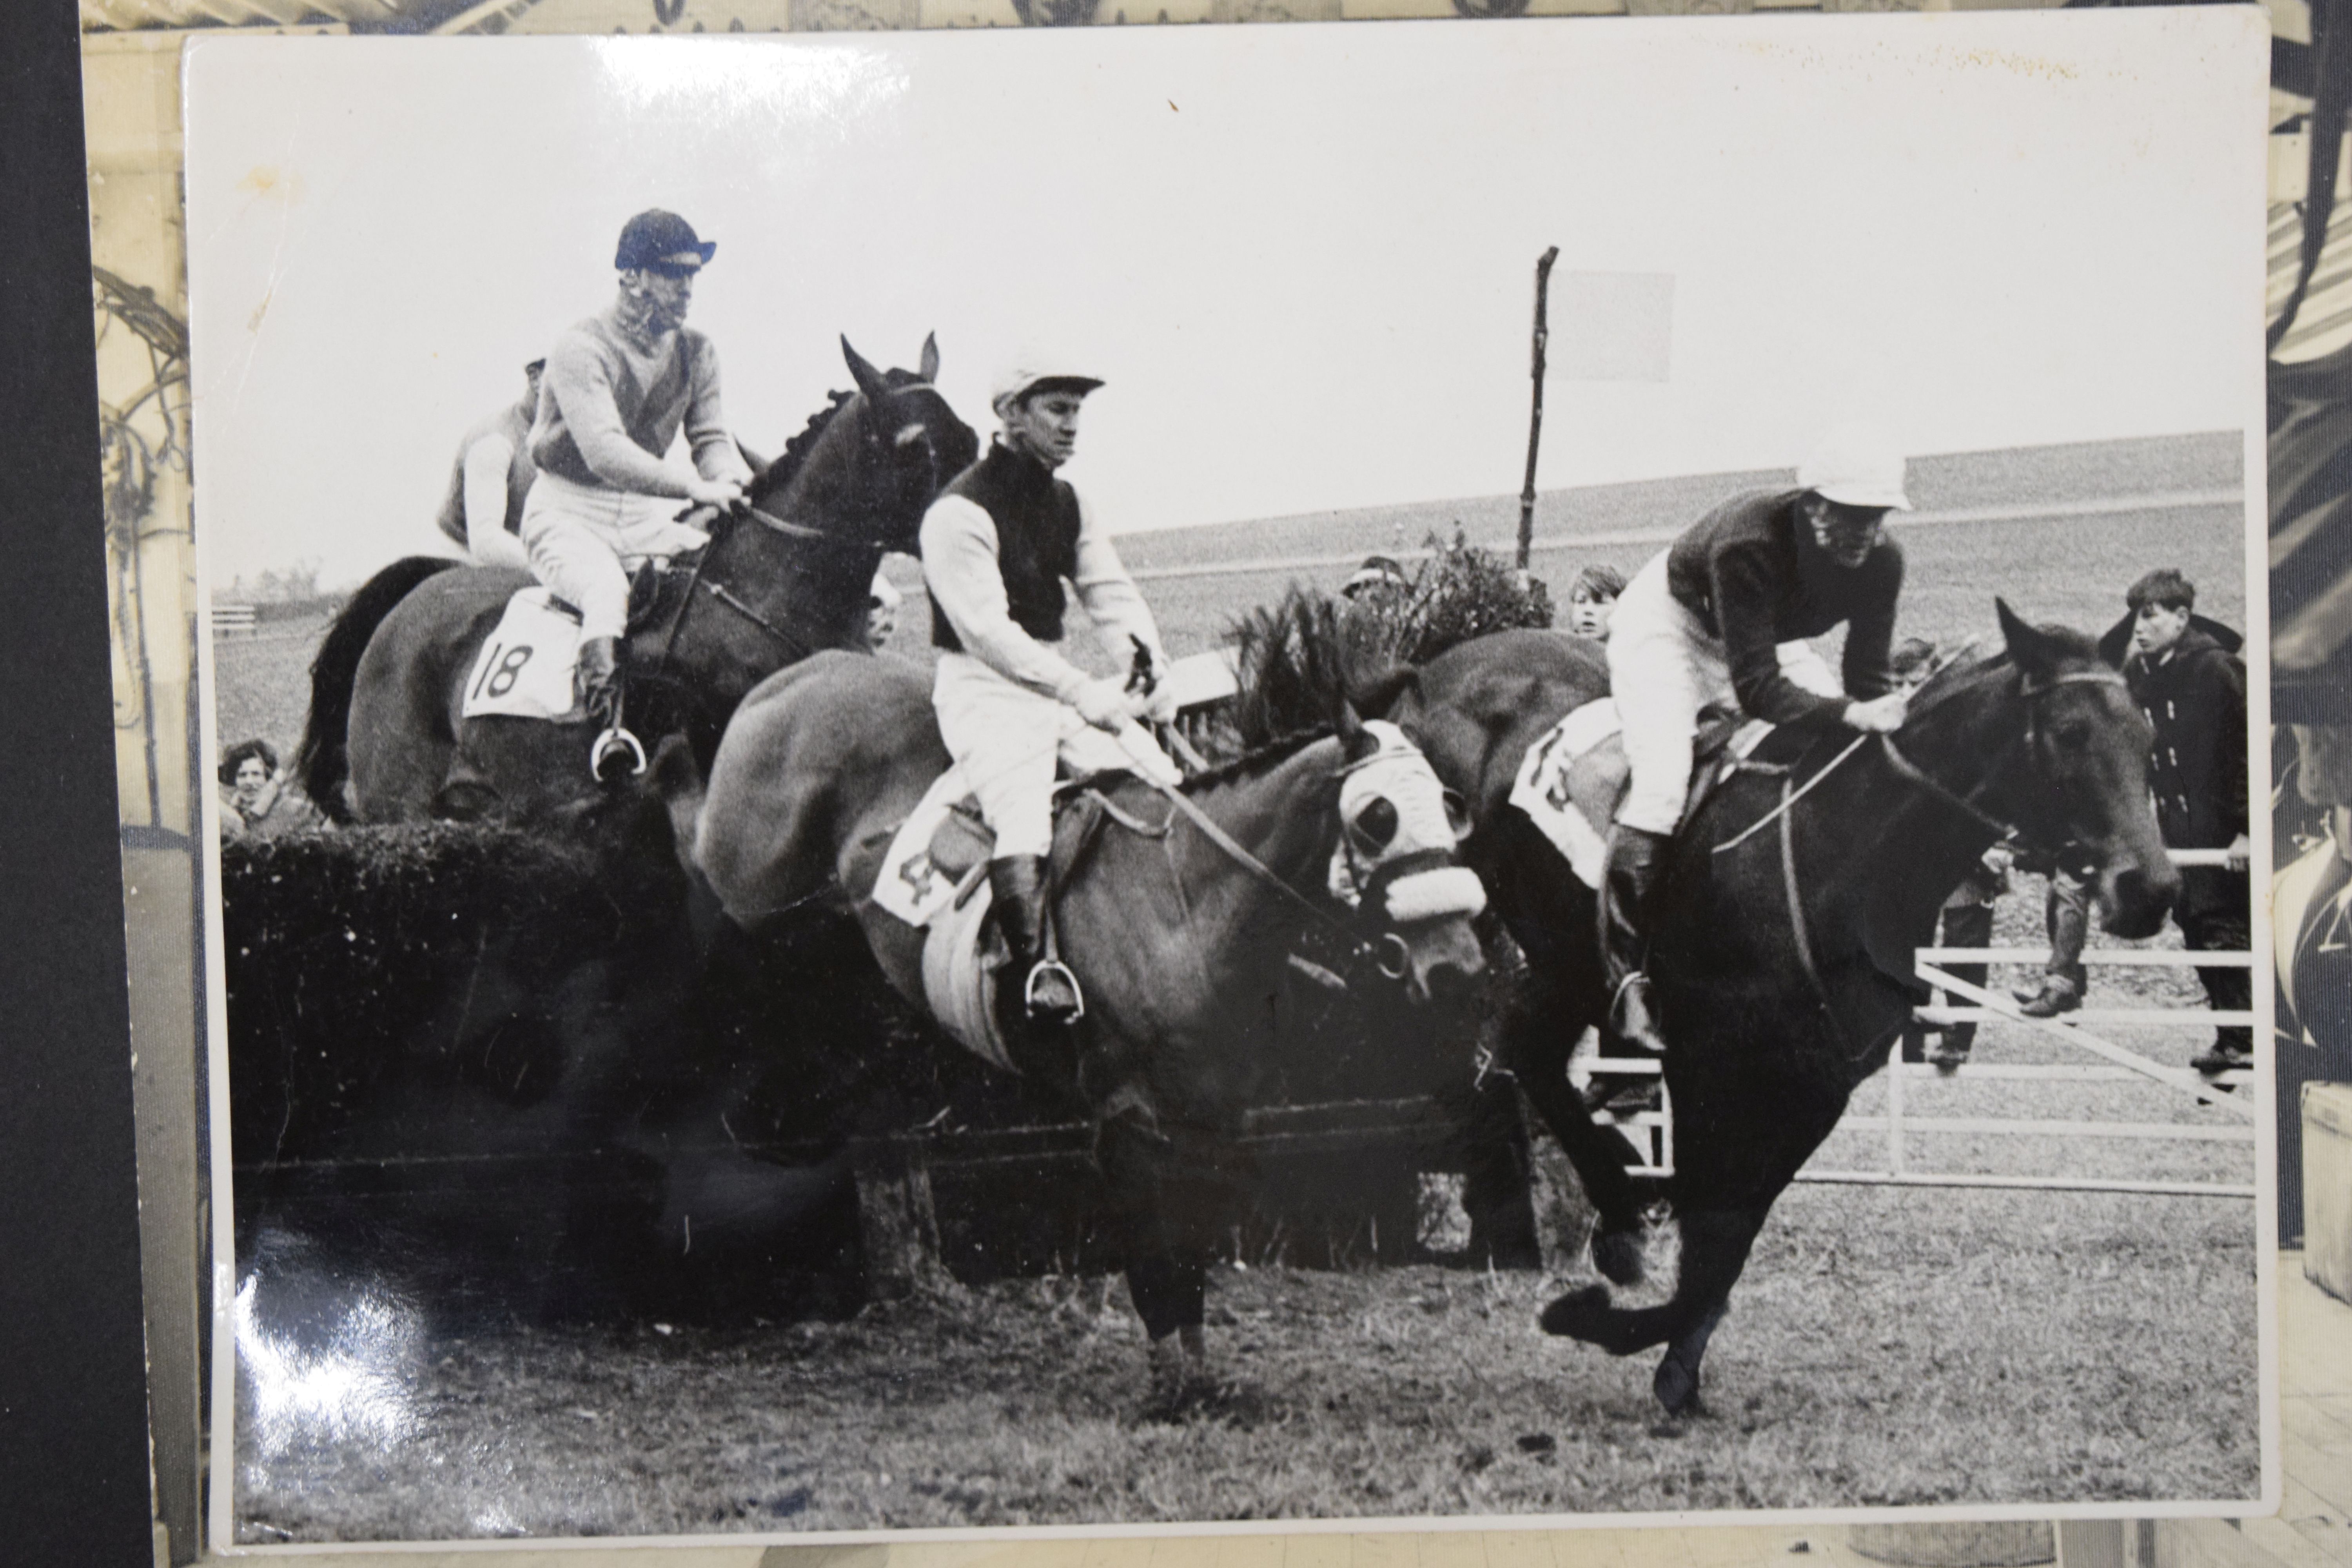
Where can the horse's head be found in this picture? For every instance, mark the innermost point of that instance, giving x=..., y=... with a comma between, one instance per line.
x=2083, y=789
x=899, y=444
x=1398, y=829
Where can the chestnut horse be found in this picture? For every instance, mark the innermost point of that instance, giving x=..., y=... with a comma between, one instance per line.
x=1182, y=941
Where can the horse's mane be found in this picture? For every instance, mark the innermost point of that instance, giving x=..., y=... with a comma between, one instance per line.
x=779, y=474
x=1258, y=759
x=1970, y=665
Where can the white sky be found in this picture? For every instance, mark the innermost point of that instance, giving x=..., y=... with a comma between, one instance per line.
x=1301, y=256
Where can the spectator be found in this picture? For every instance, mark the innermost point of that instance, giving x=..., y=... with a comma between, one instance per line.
x=1379, y=579
x=1593, y=599
x=1966, y=920
x=882, y=612
x=259, y=802
x=2185, y=674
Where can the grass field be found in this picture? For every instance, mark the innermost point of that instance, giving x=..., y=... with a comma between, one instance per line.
x=1888, y=1347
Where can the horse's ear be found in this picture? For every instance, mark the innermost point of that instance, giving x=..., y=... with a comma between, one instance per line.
x=869, y=380
x=2028, y=649
x=1381, y=697
x=928, y=367
x=1356, y=741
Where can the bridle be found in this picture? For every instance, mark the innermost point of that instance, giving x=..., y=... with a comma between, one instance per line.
x=2029, y=691
x=794, y=646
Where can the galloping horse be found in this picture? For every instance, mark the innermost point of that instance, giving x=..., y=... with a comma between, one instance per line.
x=1786, y=923
x=1181, y=941
x=782, y=577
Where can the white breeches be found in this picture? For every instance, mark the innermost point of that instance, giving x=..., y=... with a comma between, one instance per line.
x=1007, y=738
x=1663, y=667
x=579, y=535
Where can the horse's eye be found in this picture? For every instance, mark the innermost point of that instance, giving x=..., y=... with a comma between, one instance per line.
x=1375, y=825
x=2072, y=737
x=1458, y=815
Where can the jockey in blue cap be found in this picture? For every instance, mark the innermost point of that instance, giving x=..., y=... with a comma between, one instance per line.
x=617, y=389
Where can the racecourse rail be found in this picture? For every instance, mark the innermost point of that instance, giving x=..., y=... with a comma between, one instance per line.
x=1650, y=1133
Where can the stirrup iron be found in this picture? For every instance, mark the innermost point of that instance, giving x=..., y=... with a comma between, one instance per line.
x=615, y=742
x=1042, y=969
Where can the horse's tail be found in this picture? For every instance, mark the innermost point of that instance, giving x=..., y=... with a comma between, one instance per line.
x=322, y=762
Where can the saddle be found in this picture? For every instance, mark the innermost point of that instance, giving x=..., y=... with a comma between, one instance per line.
x=527, y=665
x=934, y=877
x=1572, y=778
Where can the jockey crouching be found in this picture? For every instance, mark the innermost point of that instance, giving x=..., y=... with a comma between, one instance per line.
x=1721, y=613
x=617, y=391
x=997, y=546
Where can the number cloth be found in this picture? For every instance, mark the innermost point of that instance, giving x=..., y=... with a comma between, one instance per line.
x=524, y=670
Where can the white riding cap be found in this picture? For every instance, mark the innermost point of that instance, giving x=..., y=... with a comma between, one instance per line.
x=1034, y=371
x=1856, y=467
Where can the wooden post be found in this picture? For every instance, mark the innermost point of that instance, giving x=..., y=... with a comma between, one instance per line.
x=898, y=1228
x=1535, y=417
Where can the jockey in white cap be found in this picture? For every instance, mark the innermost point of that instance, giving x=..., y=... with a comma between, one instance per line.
x=997, y=546
x=1721, y=613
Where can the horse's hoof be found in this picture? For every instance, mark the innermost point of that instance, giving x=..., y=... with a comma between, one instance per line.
x=1576, y=1315
x=1618, y=1253
x=1676, y=1387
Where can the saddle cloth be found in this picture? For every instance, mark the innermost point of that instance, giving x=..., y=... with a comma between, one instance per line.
x=526, y=669
x=934, y=877
x=1571, y=779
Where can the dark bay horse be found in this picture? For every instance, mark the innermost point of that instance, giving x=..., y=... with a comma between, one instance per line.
x=1181, y=946
x=1783, y=944
x=784, y=577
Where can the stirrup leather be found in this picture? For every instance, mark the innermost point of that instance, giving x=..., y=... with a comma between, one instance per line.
x=1638, y=980
x=1043, y=969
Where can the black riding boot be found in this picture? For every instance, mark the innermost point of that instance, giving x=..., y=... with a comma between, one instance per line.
x=604, y=672
x=1017, y=885
x=1635, y=856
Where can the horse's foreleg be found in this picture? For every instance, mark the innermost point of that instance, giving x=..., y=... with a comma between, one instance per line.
x=1167, y=1280
x=1716, y=1244
x=1537, y=1043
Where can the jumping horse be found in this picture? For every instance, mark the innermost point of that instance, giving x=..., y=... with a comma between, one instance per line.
x=1785, y=925
x=782, y=577
x=1176, y=907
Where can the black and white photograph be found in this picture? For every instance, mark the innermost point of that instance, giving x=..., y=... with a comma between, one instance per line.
x=1156, y=778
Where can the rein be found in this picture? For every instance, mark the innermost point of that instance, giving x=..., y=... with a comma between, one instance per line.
x=1909, y=772
x=1235, y=850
